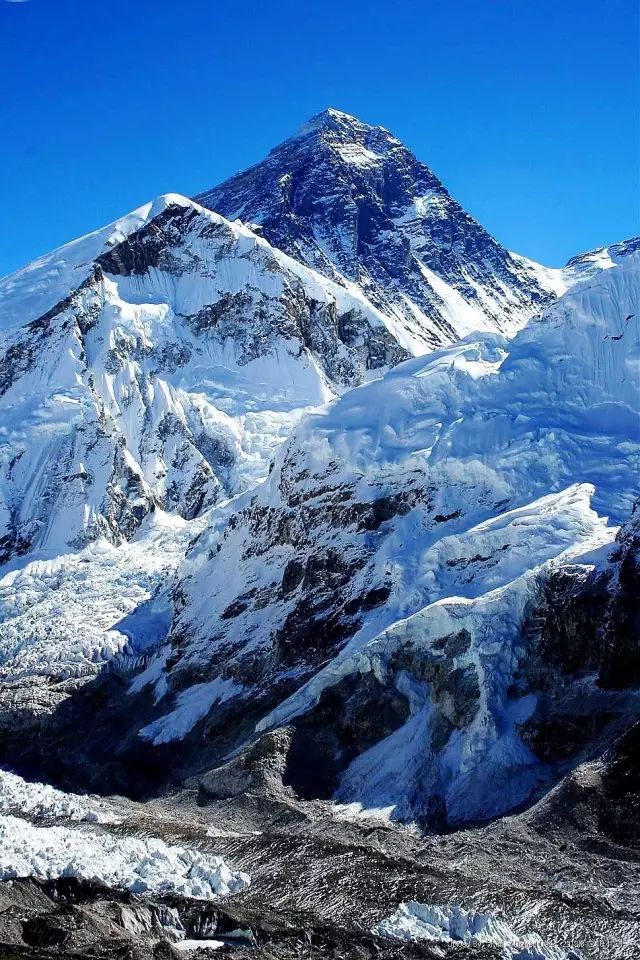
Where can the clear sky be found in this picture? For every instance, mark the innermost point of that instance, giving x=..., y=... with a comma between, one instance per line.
x=526, y=109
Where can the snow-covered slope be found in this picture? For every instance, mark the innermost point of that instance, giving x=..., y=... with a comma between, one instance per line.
x=158, y=362
x=351, y=201
x=388, y=565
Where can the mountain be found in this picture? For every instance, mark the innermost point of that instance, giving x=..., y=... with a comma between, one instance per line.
x=166, y=378
x=352, y=202
x=155, y=364
x=319, y=512
x=149, y=370
x=383, y=591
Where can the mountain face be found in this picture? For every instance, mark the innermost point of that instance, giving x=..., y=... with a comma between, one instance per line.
x=384, y=589
x=355, y=204
x=155, y=364
x=319, y=510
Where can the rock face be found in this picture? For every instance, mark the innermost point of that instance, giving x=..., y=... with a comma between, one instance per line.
x=355, y=204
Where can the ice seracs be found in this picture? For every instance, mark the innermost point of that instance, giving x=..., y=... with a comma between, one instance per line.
x=69, y=614
x=420, y=921
x=41, y=801
x=403, y=465
x=146, y=865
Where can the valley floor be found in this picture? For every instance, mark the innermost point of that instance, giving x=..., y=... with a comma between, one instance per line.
x=322, y=878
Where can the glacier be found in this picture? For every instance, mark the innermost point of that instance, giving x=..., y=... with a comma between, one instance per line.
x=141, y=865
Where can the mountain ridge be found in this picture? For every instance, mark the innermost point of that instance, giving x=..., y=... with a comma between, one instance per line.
x=336, y=192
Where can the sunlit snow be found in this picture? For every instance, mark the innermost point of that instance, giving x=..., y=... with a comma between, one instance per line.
x=141, y=865
x=420, y=921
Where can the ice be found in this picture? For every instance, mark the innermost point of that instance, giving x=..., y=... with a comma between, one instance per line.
x=146, y=865
x=31, y=291
x=68, y=614
x=193, y=704
x=39, y=800
x=420, y=921
x=184, y=946
x=558, y=404
x=484, y=769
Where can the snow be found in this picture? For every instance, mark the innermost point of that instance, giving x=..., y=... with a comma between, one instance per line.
x=465, y=316
x=31, y=291
x=586, y=266
x=527, y=449
x=360, y=156
x=555, y=280
x=185, y=946
x=427, y=922
x=559, y=404
x=192, y=704
x=140, y=865
x=328, y=118
x=70, y=613
x=39, y=800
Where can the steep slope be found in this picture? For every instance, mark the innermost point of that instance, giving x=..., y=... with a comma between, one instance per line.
x=352, y=202
x=156, y=363
x=378, y=590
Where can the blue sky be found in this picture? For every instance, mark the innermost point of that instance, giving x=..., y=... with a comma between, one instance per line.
x=526, y=109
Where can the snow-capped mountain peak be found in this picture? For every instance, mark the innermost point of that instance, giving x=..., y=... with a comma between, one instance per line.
x=334, y=127
x=353, y=202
